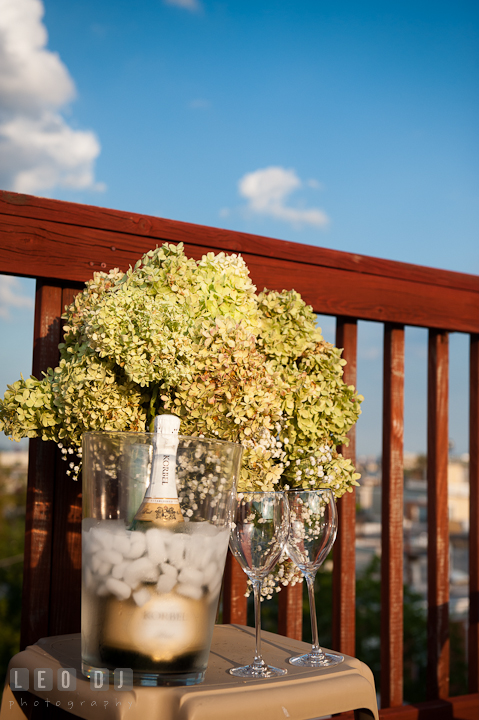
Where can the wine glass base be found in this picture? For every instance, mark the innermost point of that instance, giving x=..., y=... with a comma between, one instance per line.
x=317, y=660
x=252, y=672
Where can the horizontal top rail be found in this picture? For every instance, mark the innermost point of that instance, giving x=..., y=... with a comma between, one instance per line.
x=69, y=241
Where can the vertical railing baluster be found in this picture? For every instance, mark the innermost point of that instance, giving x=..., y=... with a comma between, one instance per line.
x=438, y=531
x=66, y=539
x=392, y=518
x=234, y=588
x=473, y=638
x=37, y=568
x=290, y=611
x=344, y=563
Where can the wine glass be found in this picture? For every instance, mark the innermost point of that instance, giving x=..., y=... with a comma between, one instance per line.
x=258, y=535
x=313, y=526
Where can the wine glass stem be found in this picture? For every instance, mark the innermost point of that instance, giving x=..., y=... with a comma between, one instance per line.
x=312, y=611
x=258, y=658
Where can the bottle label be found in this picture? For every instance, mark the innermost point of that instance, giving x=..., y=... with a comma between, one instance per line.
x=163, y=477
x=166, y=627
x=160, y=511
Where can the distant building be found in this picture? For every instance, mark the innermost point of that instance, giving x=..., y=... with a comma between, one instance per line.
x=368, y=529
x=458, y=494
x=14, y=458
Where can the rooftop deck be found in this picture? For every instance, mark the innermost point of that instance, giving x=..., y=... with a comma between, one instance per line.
x=61, y=244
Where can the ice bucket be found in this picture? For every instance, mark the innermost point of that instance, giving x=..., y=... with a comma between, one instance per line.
x=150, y=590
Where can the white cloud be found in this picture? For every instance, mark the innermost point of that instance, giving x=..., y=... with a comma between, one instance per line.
x=267, y=191
x=11, y=296
x=41, y=153
x=39, y=150
x=193, y=5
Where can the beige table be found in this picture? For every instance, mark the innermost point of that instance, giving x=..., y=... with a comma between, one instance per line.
x=300, y=695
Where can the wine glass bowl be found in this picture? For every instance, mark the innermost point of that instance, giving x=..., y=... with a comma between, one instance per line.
x=255, y=538
x=259, y=531
x=313, y=527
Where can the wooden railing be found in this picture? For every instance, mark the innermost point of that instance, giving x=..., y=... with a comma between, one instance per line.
x=61, y=244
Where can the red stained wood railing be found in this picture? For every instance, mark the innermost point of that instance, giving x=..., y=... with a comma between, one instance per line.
x=234, y=592
x=437, y=513
x=41, y=479
x=52, y=239
x=473, y=643
x=392, y=518
x=344, y=556
x=66, y=536
x=61, y=244
x=290, y=610
x=53, y=519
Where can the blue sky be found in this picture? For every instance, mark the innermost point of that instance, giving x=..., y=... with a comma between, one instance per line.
x=349, y=125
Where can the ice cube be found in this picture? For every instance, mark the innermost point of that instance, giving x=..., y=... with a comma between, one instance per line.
x=191, y=591
x=94, y=546
x=176, y=550
x=210, y=572
x=155, y=546
x=166, y=583
x=95, y=563
x=168, y=569
x=199, y=552
x=89, y=544
x=141, y=596
x=137, y=545
x=104, y=568
x=118, y=588
x=140, y=570
x=118, y=570
x=103, y=537
x=111, y=556
x=122, y=543
x=191, y=576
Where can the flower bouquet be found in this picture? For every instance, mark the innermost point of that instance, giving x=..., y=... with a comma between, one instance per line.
x=194, y=338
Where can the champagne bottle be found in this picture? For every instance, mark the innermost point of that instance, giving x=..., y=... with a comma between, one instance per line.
x=153, y=628
x=160, y=505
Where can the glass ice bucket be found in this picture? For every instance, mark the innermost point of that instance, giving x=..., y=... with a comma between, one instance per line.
x=150, y=591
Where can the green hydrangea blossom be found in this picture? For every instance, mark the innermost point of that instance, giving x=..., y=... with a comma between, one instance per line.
x=28, y=410
x=83, y=393
x=233, y=396
x=194, y=338
x=318, y=407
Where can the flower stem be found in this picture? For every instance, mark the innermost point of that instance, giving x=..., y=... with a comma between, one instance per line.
x=152, y=410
